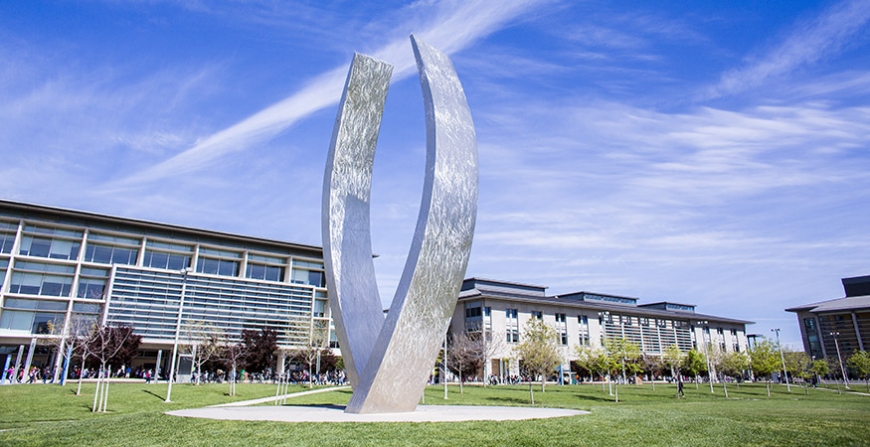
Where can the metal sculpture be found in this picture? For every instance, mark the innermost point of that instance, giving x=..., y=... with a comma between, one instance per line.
x=388, y=361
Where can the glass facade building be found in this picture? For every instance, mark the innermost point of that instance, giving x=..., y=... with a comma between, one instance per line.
x=58, y=266
x=837, y=328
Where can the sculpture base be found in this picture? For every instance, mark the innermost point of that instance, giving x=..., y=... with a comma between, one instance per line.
x=335, y=413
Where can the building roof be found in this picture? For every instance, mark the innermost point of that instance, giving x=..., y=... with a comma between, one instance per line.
x=474, y=288
x=835, y=305
x=84, y=218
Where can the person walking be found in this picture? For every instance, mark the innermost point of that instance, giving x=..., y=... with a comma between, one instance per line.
x=680, y=387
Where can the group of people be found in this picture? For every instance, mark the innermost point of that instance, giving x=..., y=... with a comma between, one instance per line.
x=33, y=375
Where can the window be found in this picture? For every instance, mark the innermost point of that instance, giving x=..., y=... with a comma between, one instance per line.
x=220, y=253
x=168, y=246
x=49, y=248
x=34, y=322
x=473, y=312
x=163, y=260
x=223, y=267
x=40, y=284
x=87, y=308
x=512, y=331
x=310, y=277
x=7, y=236
x=26, y=315
x=583, y=329
x=560, y=318
x=4, y=263
x=266, y=272
x=308, y=272
x=538, y=315
x=319, y=308
x=7, y=240
x=108, y=254
x=91, y=288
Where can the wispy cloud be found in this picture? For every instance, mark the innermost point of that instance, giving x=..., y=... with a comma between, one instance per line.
x=456, y=25
x=806, y=44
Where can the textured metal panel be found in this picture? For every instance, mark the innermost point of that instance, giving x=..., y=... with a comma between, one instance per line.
x=347, y=247
x=391, y=373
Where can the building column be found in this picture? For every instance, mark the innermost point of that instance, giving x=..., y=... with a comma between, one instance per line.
x=17, y=363
x=158, y=366
x=30, y=353
x=5, y=369
x=857, y=331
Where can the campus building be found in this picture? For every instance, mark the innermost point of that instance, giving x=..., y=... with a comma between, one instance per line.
x=838, y=327
x=585, y=319
x=59, y=267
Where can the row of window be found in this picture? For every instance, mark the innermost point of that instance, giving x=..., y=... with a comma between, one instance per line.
x=66, y=244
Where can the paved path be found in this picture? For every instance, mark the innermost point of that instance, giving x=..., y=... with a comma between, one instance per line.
x=245, y=403
x=334, y=413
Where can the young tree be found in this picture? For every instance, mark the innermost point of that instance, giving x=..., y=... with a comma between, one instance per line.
x=594, y=361
x=56, y=331
x=465, y=355
x=694, y=364
x=232, y=354
x=539, y=351
x=820, y=369
x=106, y=345
x=82, y=333
x=764, y=359
x=203, y=344
x=799, y=365
x=859, y=363
x=314, y=347
x=622, y=358
x=655, y=366
x=734, y=364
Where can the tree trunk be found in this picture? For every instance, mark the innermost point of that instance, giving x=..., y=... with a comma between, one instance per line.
x=81, y=372
x=543, y=382
x=768, y=387
x=531, y=392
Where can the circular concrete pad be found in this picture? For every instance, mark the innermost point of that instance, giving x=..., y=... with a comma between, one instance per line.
x=327, y=413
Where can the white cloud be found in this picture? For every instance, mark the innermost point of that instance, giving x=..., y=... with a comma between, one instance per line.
x=456, y=25
x=808, y=43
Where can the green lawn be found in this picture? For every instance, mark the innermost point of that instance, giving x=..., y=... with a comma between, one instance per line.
x=34, y=415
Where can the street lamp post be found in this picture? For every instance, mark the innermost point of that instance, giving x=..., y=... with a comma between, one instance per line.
x=782, y=357
x=840, y=359
x=171, y=377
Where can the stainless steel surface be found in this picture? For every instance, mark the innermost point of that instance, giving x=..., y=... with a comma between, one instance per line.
x=347, y=247
x=397, y=366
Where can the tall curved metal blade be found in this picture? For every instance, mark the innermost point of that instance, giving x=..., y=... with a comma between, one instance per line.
x=405, y=351
x=347, y=247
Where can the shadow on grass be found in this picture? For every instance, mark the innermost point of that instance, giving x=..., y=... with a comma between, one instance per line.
x=596, y=398
x=512, y=400
x=154, y=394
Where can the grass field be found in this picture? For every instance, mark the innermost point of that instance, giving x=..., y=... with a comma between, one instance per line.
x=50, y=415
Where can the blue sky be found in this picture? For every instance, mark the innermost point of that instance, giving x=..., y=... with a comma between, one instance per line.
x=713, y=153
